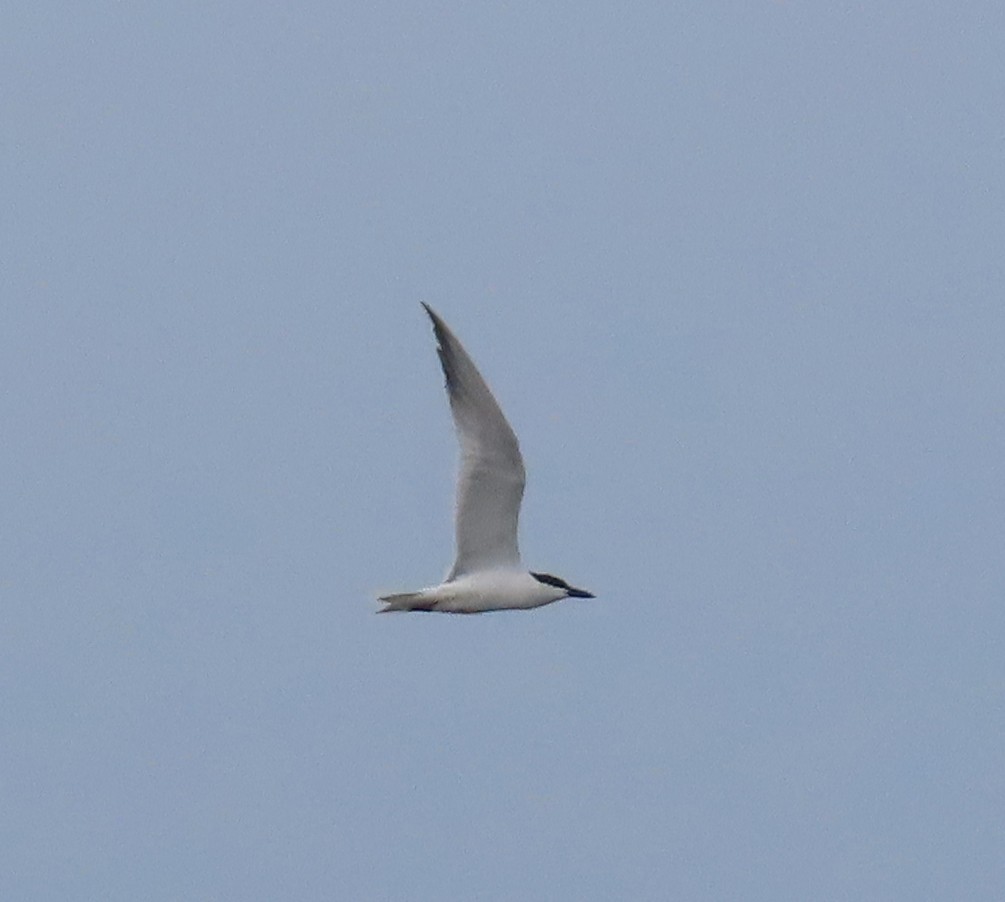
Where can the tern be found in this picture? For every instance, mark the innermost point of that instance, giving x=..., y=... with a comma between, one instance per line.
x=487, y=574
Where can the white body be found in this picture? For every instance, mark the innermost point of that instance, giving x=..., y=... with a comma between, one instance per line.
x=487, y=575
x=489, y=590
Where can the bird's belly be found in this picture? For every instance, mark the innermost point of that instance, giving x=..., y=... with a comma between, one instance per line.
x=464, y=597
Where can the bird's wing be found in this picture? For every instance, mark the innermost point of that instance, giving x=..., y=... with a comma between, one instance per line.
x=491, y=478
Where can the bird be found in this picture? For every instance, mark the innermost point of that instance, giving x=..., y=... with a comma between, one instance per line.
x=487, y=574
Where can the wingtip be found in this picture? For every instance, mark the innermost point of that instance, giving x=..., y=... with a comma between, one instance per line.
x=439, y=327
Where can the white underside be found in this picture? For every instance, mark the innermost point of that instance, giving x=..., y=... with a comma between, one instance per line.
x=489, y=590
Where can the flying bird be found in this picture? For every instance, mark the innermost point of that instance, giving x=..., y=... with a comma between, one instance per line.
x=487, y=574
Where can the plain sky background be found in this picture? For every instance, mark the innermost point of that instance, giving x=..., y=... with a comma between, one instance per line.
x=734, y=271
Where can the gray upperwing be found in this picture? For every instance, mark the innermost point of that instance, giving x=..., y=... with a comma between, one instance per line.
x=491, y=478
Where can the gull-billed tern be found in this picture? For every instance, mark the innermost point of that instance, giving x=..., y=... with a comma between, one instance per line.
x=487, y=575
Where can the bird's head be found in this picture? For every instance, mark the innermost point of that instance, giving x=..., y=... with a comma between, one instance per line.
x=559, y=583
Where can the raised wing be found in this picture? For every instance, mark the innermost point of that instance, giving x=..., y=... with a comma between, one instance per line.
x=491, y=478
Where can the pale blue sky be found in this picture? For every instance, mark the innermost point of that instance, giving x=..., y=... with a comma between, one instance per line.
x=734, y=271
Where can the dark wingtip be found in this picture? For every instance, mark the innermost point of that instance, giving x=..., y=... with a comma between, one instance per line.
x=439, y=327
x=433, y=315
x=443, y=337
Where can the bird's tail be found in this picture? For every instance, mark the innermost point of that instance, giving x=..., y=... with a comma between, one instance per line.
x=405, y=601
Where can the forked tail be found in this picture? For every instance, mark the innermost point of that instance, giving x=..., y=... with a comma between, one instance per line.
x=405, y=601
